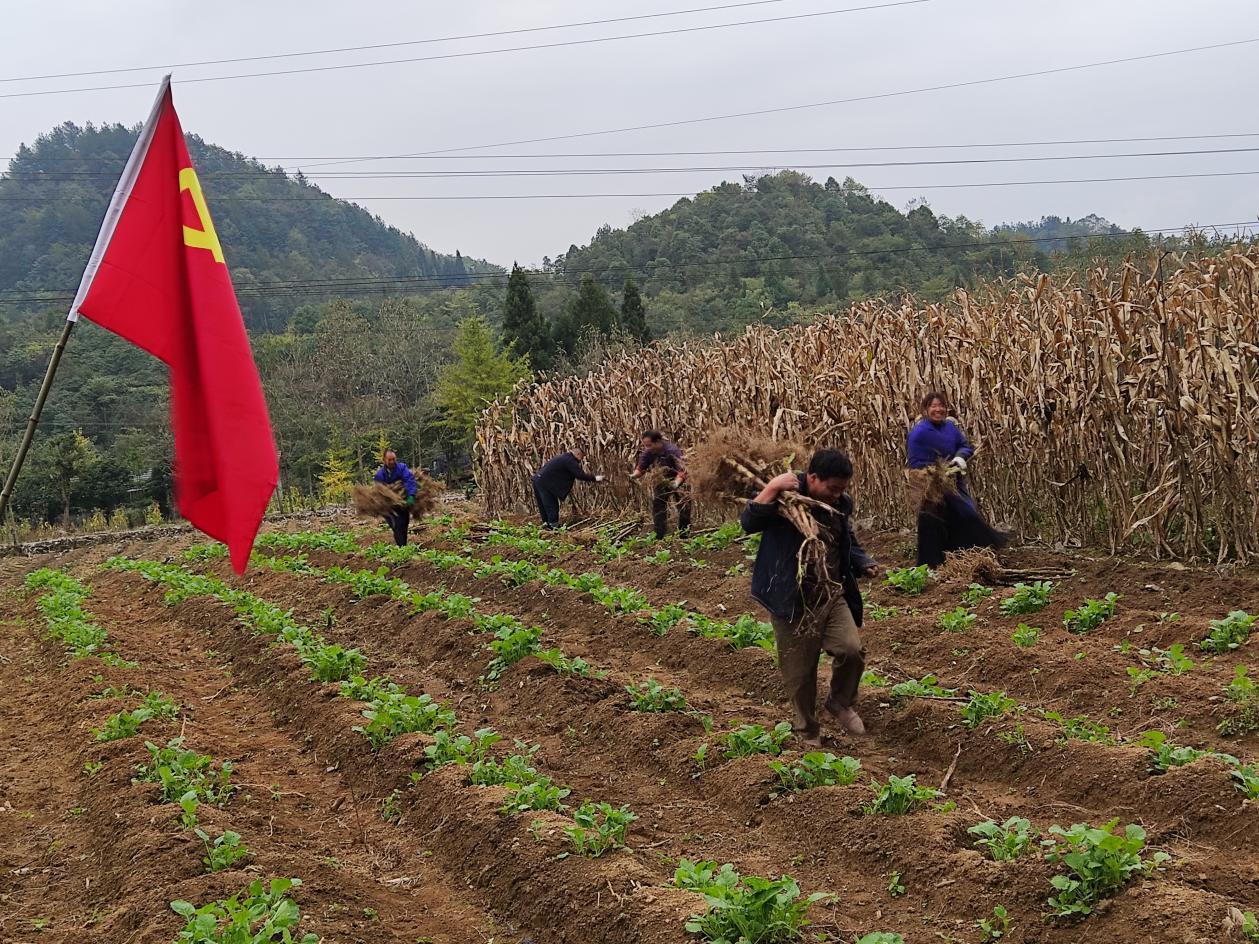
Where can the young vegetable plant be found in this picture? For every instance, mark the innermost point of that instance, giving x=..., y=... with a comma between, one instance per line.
x=1027, y=598
x=1091, y=614
x=665, y=618
x=1080, y=729
x=815, y=769
x=745, y=908
x=925, y=687
x=224, y=852
x=183, y=772
x=598, y=827
x=1164, y=755
x=958, y=620
x=1228, y=633
x=749, y=739
x=1004, y=841
x=996, y=928
x=898, y=796
x=1025, y=636
x=1099, y=861
x=568, y=665
x=450, y=748
x=986, y=705
x=911, y=580
x=509, y=647
x=262, y=914
x=651, y=696
x=976, y=594
x=1244, y=694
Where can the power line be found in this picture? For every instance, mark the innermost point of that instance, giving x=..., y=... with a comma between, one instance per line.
x=691, y=194
x=338, y=67
x=799, y=150
x=412, y=42
x=612, y=171
x=287, y=289
x=970, y=83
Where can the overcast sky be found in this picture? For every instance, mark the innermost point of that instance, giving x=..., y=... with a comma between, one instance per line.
x=459, y=103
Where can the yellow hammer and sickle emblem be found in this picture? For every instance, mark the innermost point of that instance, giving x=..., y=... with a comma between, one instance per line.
x=206, y=237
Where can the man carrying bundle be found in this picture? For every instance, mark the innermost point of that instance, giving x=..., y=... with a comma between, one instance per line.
x=554, y=482
x=658, y=452
x=391, y=473
x=813, y=612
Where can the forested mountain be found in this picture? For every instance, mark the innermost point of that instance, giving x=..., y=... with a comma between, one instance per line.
x=274, y=228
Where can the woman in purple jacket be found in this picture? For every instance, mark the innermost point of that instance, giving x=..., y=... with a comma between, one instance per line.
x=954, y=523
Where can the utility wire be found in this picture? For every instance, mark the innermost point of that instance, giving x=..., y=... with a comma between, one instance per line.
x=121, y=159
x=55, y=176
x=877, y=96
x=473, y=53
x=693, y=195
x=283, y=289
x=412, y=42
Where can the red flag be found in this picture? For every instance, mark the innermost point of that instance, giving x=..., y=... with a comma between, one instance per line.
x=157, y=277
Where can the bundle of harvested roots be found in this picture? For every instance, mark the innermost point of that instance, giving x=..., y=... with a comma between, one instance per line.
x=380, y=501
x=377, y=500
x=730, y=465
x=931, y=484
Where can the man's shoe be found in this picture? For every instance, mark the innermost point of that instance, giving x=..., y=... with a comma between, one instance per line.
x=811, y=740
x=847, y=719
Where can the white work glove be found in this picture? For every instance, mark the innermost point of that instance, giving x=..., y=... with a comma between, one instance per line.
x=598, y=478
x=959, y=462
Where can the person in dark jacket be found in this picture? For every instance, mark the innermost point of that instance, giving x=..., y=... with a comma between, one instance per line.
x=554, y=482
x=954, y=523
x=395, y=473
x=808, y=616
x=656, y=452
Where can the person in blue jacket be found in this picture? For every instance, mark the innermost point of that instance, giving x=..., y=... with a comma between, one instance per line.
x=391, y=473
x=812, y=615
x=954, y=523
x=554, y=482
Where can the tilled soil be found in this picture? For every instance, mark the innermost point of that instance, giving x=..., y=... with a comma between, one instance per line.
x=95, y=857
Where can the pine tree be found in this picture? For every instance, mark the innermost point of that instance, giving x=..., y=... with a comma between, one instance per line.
x=590, y=311
x=524, y=329
x=335, y=480
x=633, y=315
x=478, y=375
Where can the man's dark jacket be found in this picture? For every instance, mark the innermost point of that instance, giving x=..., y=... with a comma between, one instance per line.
x=558, y=475
x=774, y=583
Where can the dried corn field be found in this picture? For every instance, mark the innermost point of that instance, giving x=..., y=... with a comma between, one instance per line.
x=1114, y=409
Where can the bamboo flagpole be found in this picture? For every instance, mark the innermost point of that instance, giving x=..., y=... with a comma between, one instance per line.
x=108, y=225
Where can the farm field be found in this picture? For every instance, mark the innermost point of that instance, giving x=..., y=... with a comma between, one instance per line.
x=497, y=735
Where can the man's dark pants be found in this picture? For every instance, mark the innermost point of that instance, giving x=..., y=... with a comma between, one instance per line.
x=548, y=505
x=399, y=521
x=660, y=507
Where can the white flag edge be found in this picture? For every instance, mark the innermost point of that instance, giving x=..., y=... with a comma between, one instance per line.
x=119, y=200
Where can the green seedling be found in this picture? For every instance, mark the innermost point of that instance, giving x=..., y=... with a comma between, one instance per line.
x=1099, y=861
x=224, y=852
x=540, y=794
x=1027, y=598
x=1228, y=633
x=1164, y=755
x=665, y=618
x=996, y=928
x=651, y=696
x=510, y=647
x=986, y=705
x=745, y=908
x=895, y=887
x=1025, y=636
x=1004, y=841
x=880, y=937
x=1080, y=729
x=181, y=772
x=976, y=594
x=911, y=580
x=598, y=827
x=877, y=612
x=958, y=620
x=749, y=739
x=1244, y=695
x=1091, y=614
x=815, y=769
x=450, y=748
x=568, y=665
x=925, y=687
x=262, y=914
x=898, y=796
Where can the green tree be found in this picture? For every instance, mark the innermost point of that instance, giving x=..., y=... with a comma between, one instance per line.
x=478, y=375
x=591, y=311
x=524, y=329
x=633, y=314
